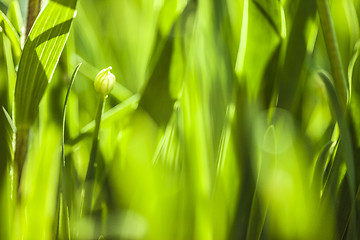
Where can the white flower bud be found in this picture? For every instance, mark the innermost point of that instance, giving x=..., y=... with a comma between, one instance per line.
x=104, y=81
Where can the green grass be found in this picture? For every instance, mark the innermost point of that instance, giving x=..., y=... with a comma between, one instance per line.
x=231, y=119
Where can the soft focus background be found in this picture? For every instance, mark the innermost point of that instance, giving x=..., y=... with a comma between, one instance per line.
x=219, y=126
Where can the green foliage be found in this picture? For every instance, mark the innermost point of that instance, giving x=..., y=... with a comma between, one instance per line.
x=231, y=119
x=40, y=55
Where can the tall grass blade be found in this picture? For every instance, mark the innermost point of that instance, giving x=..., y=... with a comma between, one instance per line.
x=6, y=155
x=64, y=170
x=64, y=200
x=332, y=49
x=320, y=168
x=15, y=16
x=156, y=99
x=351, y=67
x=6, y=131
x=295, y=54
x=345, y=149
x=11, y=33
x=11, y=73
x=40, y=56
x=91, y=172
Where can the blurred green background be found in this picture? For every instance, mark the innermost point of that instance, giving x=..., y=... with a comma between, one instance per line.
x=219, y=126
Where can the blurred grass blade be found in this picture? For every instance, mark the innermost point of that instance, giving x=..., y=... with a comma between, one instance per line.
x=344, y=131
x=259, y=205
x=320, y=168
x=6, y=132
x=11, y=34
x=64, y=201
x=156, y=99
x=332, y=47
x=120, y=110
x=249, y=67
x=271, y=11
x=15, y=16
x=345, y=148
x=40, y=56
x=11, y=73
x=63, y=228
x=352, y=65
x=295, y=55
x=3, y=7
x=92, y=166
x=6, y=155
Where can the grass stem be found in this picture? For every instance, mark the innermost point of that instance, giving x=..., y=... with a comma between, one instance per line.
x=332, y=50
x=33, y=11
x=90, y=175
x=21, y=148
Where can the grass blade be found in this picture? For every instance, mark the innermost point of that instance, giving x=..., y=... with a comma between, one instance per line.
x=6, y=132
x=320, y=168
x=40, y=56
x=332, y=49
x=64, y=200
x=344, y=149
x=6, y=192
x=63, y=161
x=11, y=33
x=157, y=88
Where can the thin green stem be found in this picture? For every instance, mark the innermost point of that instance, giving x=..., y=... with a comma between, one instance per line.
x=333, y=50
x=21, y=148
x=90, y=175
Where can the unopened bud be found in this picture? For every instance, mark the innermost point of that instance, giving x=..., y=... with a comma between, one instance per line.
x=104, y=81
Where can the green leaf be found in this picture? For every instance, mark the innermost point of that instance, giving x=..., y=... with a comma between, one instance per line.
x=66, y=179
x=295, y=55
x=15, y=17
x=40, y=56
x=352, y=63
x=320, y=168
x=6, y=155
x=344, y=148
x=259, y=205
x=10, y=33
x=156, y=99
x=117, y=112
x=11, y=72
x=272, y=11
x=256, y=51
x=6, y=133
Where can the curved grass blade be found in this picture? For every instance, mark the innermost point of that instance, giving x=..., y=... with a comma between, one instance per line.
x=351, y=66
x=320, y=168
x=295, y=56
x=11, y=34
x=6, y=192
x=40, y=56
x=6, y=132
x=11, y=72
x=271, y=11
x=63, y=161
x=120, y=110
x=15, y=16
x=344, y=149
x=259, y=206
x=64, y=200
x=156, y=99
x=91, y=171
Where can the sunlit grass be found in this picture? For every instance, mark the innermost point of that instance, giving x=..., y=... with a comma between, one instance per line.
x=233, y=119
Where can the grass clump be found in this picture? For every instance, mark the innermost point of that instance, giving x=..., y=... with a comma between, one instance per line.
x=226, y=119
